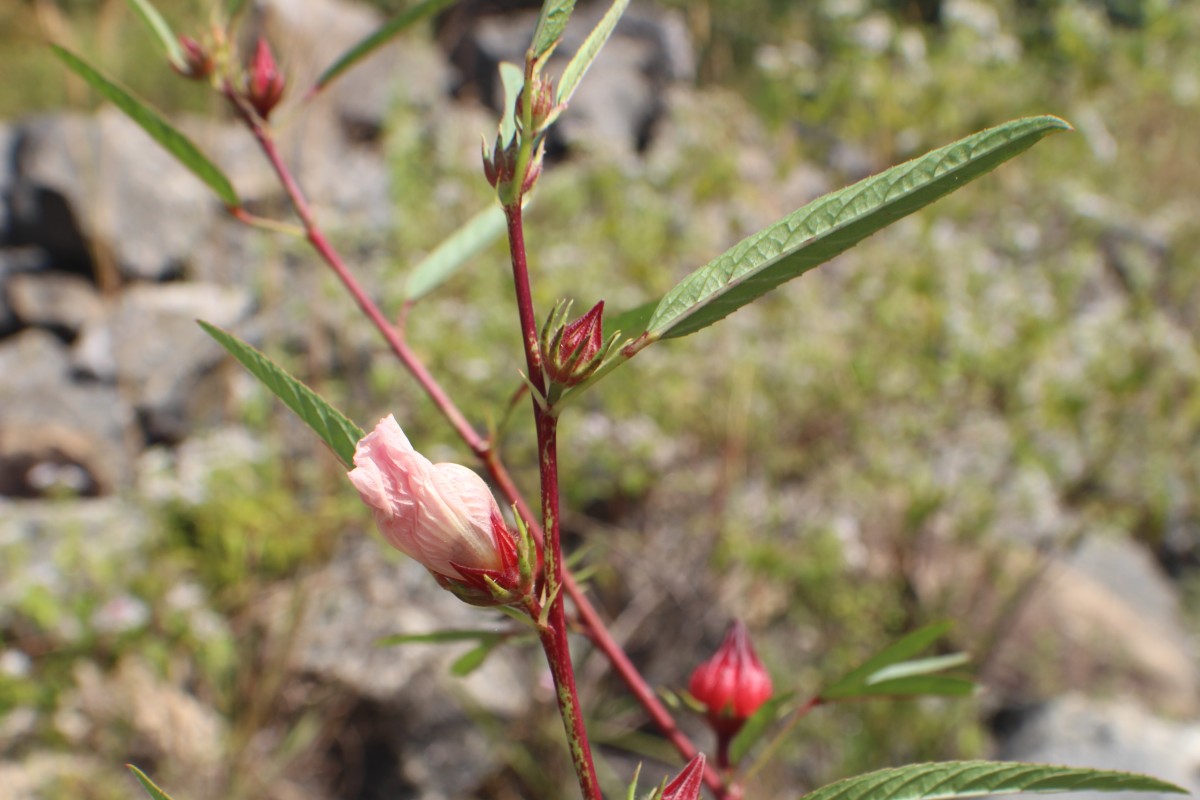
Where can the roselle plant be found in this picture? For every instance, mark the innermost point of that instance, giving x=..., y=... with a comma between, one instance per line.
x=447, y=518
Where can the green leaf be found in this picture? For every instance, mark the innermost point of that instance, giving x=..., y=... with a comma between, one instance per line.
x=978, y=778
x=331, y=425
x=834, y=223
x=512, y=78
x=552, y=21
x=631, y=322
x=438, y=637
x=457, y=249
x=159, y=129
x=892, y=672
x=759, y=723
x=583, y=59
x=147, y=784
x=386, y=33
x=161, y=30
x=473, y=659
x=920, y=666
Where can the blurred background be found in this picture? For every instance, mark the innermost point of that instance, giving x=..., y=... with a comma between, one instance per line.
x=988, y=413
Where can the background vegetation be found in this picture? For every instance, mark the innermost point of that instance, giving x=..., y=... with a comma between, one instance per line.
x=1018, y=364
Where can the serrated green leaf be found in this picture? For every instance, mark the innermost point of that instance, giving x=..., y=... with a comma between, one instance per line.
x=512, y=78
x=161, y=30
x=374, y=41
x=158, y=128
x=978, y=778
x=331, y=425
x=552, y=21
x=855, y=683
x=832, y=224
x=437, y=637
x=473, y=659
x=583, y=59
x=147, y=784
x=459, y=247
x=759, y=723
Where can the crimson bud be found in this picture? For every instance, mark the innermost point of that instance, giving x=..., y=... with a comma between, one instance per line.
x=264, y=82
x=733, y=684
x=572, y=352
x=688, y=782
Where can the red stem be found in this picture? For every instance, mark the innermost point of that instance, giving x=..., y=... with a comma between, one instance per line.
x=593, y=625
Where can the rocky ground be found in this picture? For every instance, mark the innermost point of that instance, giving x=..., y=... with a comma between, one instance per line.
x=115, y=406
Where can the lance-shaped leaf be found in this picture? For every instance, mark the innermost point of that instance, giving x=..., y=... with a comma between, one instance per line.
x=439, y=637
x=586, y=54
x=892, y=672
x=331, y=425
x=379, y=38
x=759, y=723
x=161, y=30
x=456, y=250
x=955, y=779
x=152, y=123
x=832, y=224
x=551, y=23
x=512, y=78
x=147, y=784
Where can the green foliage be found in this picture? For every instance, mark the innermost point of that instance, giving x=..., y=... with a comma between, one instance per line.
x=147, y=784
x=981, y=778
x=834, y=223
x=175, y=142
x=161, y=30
x=327, y=422
x=388, y=31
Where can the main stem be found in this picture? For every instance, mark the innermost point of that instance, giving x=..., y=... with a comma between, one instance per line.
x=593, y=624
x=554, y=632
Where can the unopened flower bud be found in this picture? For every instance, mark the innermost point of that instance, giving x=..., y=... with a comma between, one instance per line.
x=197, y=63
x=688, y=782
x=732, y=685
x=500, y=164
x=264, y=82
x=542, y=105
x=572, y=352
x=443, y=516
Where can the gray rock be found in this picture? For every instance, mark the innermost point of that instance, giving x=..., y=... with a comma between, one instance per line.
x=8, y=141
x=368, y=592
x=99, y=185
x=310, y=34
x=16, y=261
x=619, y=100
x=1075, y=731
x=45, y=544
x=55, y=434
x=59, y=301
x=149, y=343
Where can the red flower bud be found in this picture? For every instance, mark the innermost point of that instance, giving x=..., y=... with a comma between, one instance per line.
x=197, y=63
x=733, y=684
x=264, y=81
x=687, y=784
x=575, y=350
